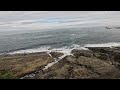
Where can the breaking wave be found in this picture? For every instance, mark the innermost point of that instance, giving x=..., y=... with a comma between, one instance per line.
x=112, y=44
x=66, y=49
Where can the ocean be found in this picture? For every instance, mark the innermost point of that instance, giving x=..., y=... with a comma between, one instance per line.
x=27, y=41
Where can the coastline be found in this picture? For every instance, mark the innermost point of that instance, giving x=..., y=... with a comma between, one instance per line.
x=38, y=64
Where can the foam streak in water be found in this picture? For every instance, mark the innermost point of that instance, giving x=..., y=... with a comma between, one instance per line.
x=114, y=44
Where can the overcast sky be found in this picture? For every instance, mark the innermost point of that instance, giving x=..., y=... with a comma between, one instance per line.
x=18, y=20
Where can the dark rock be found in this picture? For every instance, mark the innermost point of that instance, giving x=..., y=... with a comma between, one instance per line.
x=102, y=56
x=117, y=27
x=116, y=48
x=82, y=67
x=116, y=56
x=56, y=54
x=98, y=66
x=70, y=59
x=100, y=49
x=108, y=28
x=81, y=72
x=106, y=53
x=78, y=53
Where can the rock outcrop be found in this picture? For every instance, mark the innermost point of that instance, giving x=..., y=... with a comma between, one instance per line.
x=80, y=68
x=95, y=63
x=56, y=54
x=86, y=53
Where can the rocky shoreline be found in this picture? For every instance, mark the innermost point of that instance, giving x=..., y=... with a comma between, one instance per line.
x=94, y=63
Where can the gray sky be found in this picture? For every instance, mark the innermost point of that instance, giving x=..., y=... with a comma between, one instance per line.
x=18, y=20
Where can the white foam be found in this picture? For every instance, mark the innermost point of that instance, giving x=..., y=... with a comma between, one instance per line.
x=73, y=34
x=49, y=65
x=76, y=46
x=28, y=76
x=112, y=44
x=44, y=36
x=52, y=63
x=65, y=50
x=41, y=49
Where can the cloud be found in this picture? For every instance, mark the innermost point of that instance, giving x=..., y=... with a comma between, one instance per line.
x=56, y=19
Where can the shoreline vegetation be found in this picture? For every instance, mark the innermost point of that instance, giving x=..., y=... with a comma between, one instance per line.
x=94, y=63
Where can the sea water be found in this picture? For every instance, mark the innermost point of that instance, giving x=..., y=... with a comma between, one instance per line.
x=29, y=41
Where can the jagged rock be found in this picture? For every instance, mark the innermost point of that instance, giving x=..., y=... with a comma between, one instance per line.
x=56, y=54
x=78, y=53
x=82, y=67
x=100, y=49
x=70, y=59
x=115, y=56
x=102, y=56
